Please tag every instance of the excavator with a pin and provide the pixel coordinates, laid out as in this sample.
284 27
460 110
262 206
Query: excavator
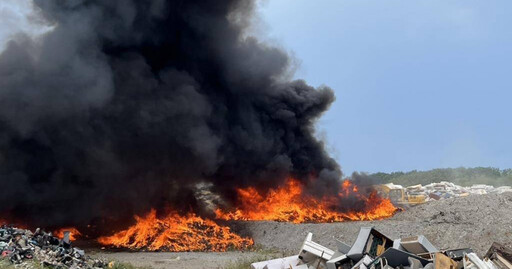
399 195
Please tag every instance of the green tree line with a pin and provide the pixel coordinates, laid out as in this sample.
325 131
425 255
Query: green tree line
460 176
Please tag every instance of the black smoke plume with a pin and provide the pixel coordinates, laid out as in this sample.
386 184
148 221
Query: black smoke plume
126 105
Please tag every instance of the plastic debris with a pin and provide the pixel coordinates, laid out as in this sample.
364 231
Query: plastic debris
20 245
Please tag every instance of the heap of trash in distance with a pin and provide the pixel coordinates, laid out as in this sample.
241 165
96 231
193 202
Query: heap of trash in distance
20 246
373 250
418 194
446 189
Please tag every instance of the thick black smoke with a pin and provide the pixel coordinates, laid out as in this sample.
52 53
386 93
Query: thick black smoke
127 104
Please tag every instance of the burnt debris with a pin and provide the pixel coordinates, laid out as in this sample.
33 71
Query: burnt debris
19 246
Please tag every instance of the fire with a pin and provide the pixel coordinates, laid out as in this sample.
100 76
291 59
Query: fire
13 223
291 204
176 233
73 233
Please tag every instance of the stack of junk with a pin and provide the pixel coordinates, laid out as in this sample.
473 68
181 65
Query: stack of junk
373 250
444 189
21 246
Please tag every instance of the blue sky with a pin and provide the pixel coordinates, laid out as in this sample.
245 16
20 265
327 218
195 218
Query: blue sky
420 84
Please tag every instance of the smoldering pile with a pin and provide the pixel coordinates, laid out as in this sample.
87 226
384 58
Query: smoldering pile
20 245
127 105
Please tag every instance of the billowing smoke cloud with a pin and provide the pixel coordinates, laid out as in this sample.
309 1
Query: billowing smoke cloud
126 105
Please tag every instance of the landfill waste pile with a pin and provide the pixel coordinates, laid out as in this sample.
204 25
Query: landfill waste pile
444 189
374 250
418 194
19 246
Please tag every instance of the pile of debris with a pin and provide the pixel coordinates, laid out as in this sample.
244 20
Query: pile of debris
373 250
20 245
444 189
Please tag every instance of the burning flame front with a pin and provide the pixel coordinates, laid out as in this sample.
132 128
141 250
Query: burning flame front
176 233
289 203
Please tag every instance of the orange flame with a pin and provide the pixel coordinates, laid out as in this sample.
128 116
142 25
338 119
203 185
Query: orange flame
176 233
13 223
289 203
73 233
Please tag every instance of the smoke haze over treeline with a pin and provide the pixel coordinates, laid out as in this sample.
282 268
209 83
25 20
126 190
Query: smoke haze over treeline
460 176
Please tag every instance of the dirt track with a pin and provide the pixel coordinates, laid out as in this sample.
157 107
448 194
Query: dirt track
474 221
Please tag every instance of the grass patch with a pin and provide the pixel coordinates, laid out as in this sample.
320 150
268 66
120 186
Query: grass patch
33 264
5 264
245 263
260 249
121 265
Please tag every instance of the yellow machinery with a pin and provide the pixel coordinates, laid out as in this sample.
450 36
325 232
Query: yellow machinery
399 195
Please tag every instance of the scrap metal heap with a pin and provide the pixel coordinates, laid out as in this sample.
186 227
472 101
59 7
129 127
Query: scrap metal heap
20 246
373 250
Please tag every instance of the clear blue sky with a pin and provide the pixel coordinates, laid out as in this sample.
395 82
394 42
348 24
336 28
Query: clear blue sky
420 84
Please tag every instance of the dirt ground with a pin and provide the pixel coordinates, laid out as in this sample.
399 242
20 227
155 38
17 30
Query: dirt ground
473 221
192 260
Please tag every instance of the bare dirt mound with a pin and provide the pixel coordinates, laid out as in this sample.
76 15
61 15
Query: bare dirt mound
474 221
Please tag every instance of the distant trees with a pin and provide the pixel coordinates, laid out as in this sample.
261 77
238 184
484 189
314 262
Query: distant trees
460 176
